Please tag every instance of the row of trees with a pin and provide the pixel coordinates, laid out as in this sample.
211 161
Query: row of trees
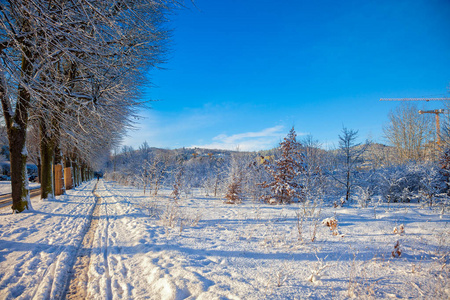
69 72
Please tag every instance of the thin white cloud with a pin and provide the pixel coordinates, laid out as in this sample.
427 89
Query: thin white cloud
176 129
248 141
198 127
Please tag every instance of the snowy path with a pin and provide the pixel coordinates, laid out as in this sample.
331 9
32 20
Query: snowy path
37 248
76 285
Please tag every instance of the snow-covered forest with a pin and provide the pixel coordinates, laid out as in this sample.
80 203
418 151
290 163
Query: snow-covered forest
363 219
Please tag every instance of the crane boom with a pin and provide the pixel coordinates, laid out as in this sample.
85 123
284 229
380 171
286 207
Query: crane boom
414 99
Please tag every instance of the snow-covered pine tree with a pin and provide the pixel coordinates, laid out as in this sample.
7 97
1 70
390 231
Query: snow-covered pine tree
284 186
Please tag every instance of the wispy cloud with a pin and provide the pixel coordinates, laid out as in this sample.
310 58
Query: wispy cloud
167 130
248 141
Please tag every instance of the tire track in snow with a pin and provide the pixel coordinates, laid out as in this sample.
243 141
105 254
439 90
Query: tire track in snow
51 272
76 285
105 251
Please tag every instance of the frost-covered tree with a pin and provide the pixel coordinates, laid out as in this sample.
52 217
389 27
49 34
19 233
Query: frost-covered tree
159 169
350 156
178 182
409 132
283 185
393 184
214 173
431 182
444 163
254 174
234 192
313 178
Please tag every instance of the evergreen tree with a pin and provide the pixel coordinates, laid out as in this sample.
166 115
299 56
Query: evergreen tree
284 185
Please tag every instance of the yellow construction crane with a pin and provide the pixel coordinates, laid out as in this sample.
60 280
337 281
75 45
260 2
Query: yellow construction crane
437 112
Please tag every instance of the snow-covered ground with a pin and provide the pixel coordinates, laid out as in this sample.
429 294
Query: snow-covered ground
5 186
200 248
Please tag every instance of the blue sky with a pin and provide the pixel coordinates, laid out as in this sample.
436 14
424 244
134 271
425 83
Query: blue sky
242 73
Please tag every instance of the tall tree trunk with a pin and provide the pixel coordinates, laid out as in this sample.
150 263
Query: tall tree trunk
18 159
75 171
16 124
83 173
39 169
47 152
347 186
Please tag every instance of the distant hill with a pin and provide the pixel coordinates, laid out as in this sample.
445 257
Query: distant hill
376 155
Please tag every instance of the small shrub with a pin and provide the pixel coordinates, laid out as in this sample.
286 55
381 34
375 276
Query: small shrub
400 230
364 196
397 250
333 224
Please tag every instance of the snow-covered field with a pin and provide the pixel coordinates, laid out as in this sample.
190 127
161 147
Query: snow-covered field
200 248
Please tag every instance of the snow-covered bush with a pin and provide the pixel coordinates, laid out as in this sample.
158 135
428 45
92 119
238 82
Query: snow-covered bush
431 182
444 164
317 271
400 183
363 195
412 181
332 223
390 182
172 216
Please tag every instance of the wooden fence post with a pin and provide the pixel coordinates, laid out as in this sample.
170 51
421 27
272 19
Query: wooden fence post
59 181
68 178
